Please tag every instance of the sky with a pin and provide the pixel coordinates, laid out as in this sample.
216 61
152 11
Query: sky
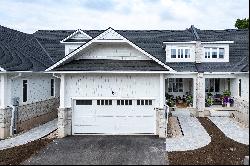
31 15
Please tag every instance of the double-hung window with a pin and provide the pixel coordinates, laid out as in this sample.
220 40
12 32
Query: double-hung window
214 53
180 53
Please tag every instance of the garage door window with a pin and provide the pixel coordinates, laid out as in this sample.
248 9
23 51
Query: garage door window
124 102
104 102
83 102
144 102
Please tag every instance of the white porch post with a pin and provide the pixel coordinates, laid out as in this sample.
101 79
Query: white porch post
194 92
3 90
162 91
200 94
62 91
5 111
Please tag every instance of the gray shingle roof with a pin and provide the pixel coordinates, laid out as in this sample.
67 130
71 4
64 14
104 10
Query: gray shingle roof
152 42
38 51
110 65
21 52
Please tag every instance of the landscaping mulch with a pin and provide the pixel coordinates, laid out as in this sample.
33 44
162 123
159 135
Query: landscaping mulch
221 151
18 154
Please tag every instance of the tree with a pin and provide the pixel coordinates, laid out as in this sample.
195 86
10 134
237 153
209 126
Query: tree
242 23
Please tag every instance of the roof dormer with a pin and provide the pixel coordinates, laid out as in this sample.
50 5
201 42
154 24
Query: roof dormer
77 37
75 40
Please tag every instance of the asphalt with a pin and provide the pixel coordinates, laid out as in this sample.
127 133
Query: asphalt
102 150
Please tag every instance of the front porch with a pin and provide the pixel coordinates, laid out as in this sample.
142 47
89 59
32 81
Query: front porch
207 91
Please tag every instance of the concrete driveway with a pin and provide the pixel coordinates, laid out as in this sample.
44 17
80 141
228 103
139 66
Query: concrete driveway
103 150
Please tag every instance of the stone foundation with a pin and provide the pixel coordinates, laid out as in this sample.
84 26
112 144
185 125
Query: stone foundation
242 113
5 122
64 122
161 128
35 114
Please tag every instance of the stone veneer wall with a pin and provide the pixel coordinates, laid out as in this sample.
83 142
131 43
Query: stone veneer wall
35 114
161 128
242 113
5 122
64 122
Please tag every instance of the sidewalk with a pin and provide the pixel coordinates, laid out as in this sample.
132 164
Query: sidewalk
29 136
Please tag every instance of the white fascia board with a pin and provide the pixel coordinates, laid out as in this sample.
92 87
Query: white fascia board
188 42
72 42
62 41
218 42
112 72
2 69
100 39
226 73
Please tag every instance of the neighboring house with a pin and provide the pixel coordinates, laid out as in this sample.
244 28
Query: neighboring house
117 81
26 93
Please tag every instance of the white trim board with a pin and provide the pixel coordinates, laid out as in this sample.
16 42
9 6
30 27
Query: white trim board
73 34
112 72
103 36
193 42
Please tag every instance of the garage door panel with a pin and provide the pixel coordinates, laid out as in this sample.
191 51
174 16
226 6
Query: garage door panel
125 118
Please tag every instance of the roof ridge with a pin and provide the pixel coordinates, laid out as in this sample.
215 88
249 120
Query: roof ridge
44 50
196 36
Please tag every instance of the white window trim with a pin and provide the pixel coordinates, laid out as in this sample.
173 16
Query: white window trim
211 52
217 46
177 52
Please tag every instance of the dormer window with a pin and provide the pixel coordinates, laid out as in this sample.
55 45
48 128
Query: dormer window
180 53
214 53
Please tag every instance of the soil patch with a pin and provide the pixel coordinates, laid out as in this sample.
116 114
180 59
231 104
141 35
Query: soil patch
18 154
221 151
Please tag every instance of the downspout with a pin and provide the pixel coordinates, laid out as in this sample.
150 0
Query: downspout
15 104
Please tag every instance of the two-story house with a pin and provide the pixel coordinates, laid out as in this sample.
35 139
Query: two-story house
115 81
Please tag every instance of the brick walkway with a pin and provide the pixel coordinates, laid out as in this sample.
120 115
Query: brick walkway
29 136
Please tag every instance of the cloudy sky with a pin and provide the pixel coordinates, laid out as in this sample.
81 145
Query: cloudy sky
31 15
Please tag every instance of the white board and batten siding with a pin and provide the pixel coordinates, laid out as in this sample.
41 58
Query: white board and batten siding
114 118
115 51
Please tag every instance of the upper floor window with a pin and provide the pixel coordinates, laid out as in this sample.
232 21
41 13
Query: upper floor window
214 53
180 53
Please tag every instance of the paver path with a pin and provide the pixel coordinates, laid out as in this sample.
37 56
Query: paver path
31 135
232 129
195 136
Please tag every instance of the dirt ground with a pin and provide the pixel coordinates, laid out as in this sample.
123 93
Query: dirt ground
221 150
16 155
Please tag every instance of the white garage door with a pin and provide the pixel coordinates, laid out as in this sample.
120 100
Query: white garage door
114 117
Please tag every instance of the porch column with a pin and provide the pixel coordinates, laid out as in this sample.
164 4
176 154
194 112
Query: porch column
162 91
200 94
62 91
5 111
64 114
194 92
3 90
